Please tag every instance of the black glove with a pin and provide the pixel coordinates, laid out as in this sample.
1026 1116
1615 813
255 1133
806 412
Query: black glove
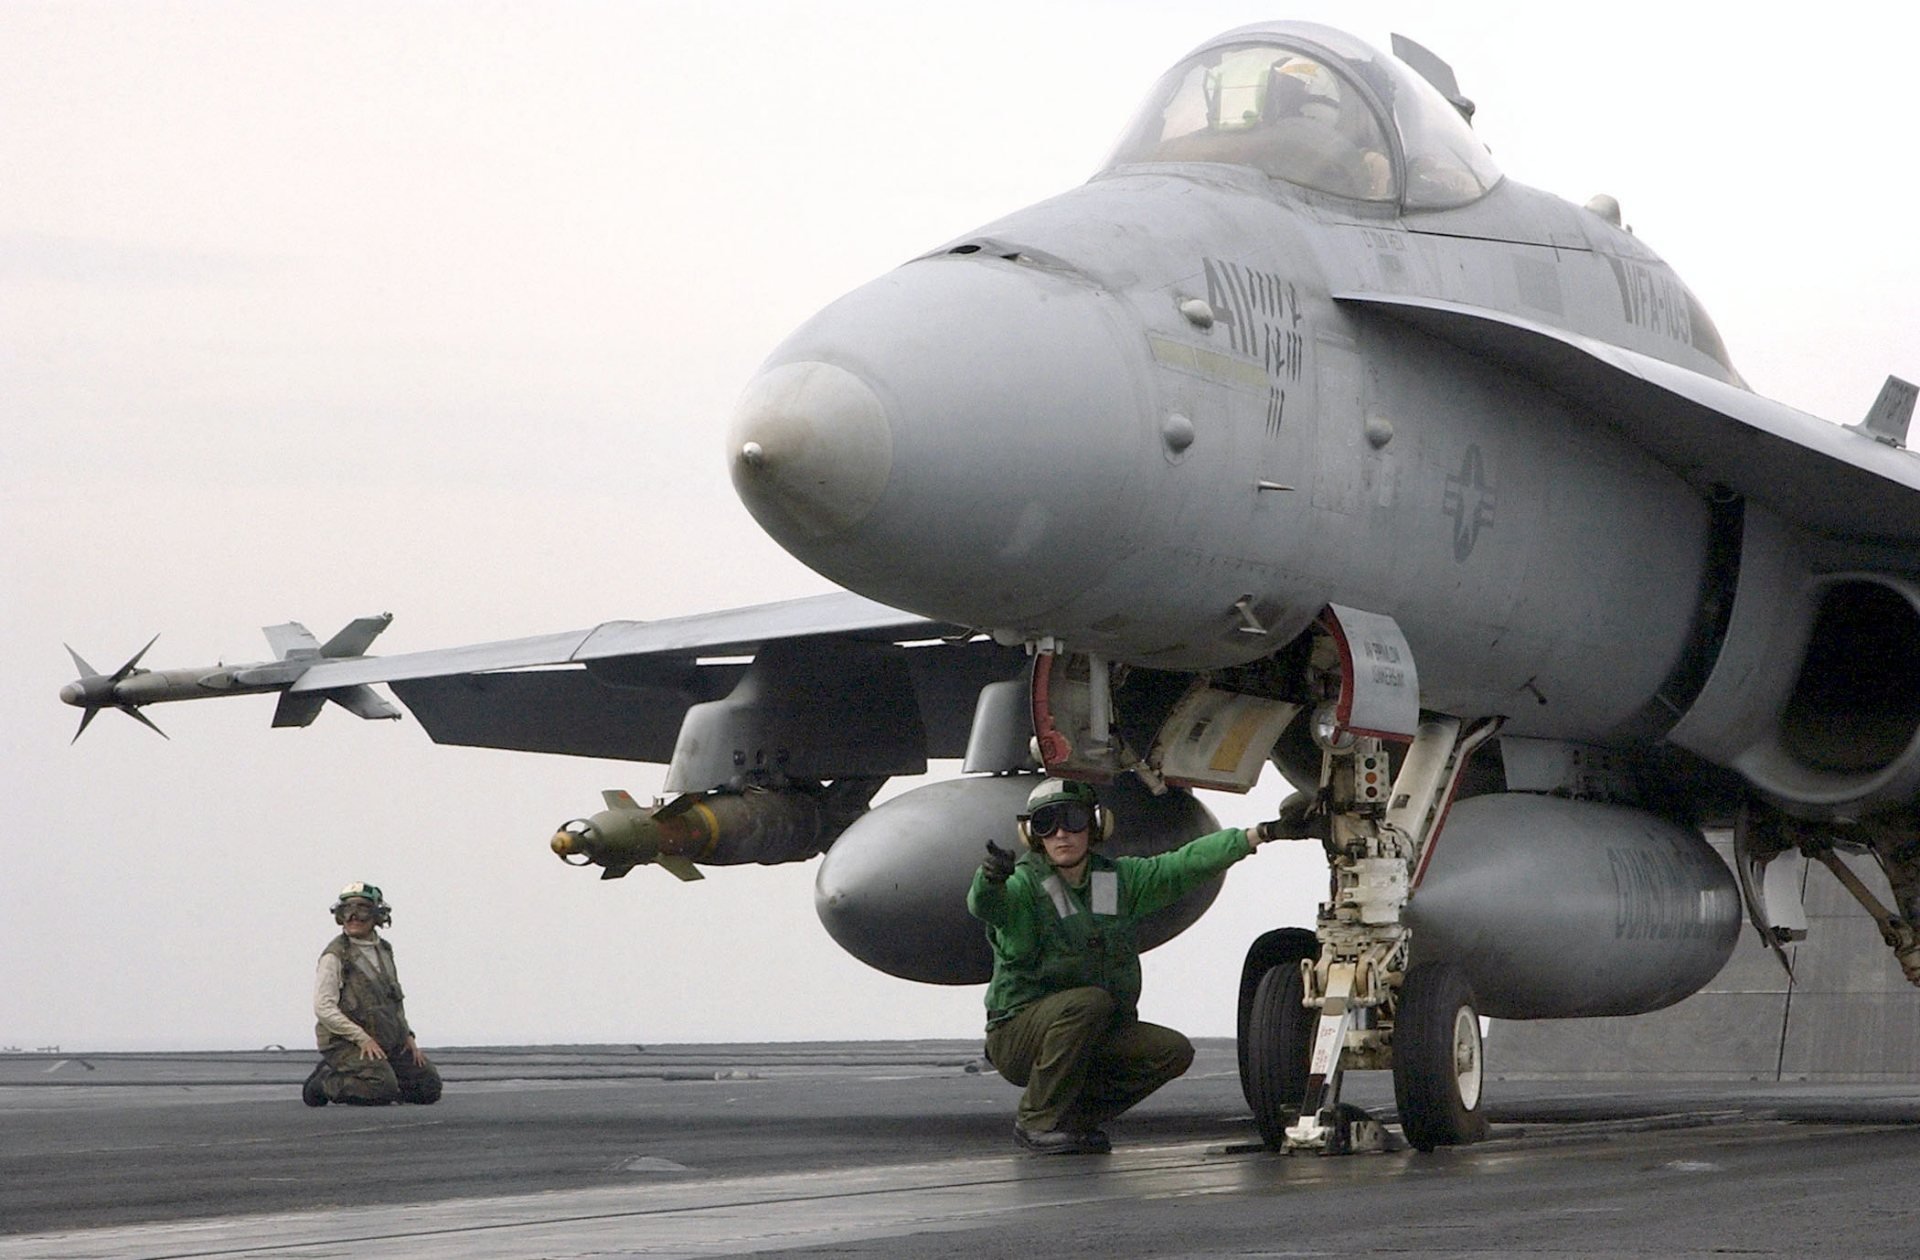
1294 822
998 864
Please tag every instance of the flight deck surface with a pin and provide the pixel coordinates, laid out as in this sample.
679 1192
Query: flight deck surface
903 1149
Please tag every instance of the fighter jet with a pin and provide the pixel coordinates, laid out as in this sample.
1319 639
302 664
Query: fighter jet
1300 435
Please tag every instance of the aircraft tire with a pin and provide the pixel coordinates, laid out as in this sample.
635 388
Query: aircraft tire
1280 947
1438 1060
1279 1041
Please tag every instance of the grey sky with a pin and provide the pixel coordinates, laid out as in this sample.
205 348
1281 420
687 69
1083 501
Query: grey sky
317 311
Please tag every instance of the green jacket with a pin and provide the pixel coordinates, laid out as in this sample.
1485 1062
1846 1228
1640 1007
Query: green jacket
1048 936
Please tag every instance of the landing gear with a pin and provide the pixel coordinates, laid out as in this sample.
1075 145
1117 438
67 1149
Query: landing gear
1369 1008
1892 839
1437 1064
1276 1045
1361 1002
1281 948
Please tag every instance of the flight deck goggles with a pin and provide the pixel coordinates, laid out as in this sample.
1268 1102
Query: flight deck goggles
350 908
1060 816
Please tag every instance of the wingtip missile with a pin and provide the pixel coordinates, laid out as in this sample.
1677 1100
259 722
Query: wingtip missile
296 651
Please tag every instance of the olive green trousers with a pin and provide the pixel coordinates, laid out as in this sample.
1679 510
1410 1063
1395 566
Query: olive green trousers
1081 1064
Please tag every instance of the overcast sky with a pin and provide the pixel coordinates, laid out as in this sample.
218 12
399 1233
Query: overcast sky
317 311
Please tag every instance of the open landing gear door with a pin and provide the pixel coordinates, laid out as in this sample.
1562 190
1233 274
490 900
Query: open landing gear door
1219 739
1771 890
1380 688
1201 735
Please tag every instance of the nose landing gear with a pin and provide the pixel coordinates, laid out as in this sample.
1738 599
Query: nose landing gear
1373 1010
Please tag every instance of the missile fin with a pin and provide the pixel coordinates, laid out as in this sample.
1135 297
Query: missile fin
94 691
86 670
356 636
133 711
290 640
298 708
679 867
677 806
619 798
362 701
127 669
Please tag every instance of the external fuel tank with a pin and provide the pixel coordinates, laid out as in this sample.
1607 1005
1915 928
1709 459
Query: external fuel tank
1559 908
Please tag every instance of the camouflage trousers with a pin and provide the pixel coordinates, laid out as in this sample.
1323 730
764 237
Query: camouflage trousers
370 1082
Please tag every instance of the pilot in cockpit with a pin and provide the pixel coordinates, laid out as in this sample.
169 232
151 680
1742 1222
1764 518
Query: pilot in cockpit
1332 129
1285 114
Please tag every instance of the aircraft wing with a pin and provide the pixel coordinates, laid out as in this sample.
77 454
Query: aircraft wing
622 689
1829 479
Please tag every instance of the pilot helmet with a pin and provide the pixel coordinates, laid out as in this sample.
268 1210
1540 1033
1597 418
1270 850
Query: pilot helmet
369 893
1320 98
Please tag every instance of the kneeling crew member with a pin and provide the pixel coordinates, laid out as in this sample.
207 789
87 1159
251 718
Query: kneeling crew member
368 1055
1062 1016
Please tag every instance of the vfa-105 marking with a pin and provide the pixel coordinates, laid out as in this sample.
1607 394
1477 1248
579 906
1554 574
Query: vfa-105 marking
1299 434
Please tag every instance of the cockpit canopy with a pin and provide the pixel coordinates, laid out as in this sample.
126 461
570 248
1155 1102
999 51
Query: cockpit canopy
1314 107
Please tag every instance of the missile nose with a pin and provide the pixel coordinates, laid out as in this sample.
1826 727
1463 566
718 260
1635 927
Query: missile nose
811 449
73 693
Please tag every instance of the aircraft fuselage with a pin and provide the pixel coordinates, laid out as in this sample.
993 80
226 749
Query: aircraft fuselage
1138 418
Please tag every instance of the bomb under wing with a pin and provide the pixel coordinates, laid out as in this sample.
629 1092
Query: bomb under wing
767 827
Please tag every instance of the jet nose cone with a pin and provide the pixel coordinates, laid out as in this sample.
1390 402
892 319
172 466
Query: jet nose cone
957 438
811 450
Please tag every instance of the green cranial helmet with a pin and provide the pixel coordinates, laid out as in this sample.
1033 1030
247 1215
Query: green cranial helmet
1063 803
369 893
1054 791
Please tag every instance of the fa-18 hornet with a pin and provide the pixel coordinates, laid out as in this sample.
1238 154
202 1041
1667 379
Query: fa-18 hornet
1299 435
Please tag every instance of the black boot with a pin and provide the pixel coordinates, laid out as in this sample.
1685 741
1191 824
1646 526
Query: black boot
311 1091
1048 1141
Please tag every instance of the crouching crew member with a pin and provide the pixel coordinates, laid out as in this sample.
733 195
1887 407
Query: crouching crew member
368 1055
1062 1016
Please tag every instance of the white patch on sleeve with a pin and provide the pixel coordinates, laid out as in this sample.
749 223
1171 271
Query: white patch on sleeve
1106 892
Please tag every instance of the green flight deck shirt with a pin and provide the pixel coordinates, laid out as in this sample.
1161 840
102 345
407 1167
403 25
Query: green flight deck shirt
1048 936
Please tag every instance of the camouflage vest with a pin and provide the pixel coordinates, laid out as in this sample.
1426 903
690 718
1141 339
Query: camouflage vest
373 1002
